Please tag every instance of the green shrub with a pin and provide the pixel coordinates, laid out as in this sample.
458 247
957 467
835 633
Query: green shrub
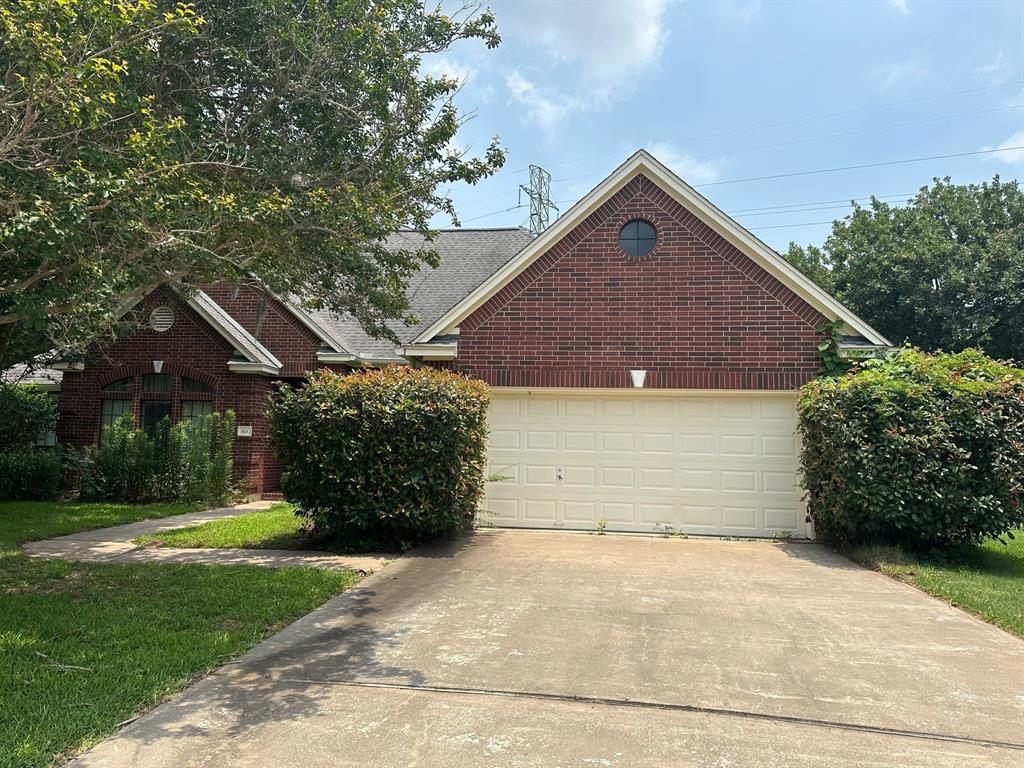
29 473
26 412
916 450
189 461
383 459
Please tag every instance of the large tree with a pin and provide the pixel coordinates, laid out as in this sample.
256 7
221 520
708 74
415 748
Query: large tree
944 271
145 143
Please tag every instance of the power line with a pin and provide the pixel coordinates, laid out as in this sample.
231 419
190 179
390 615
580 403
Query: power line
819 202
827 136
794 121
764 211
785 226
809 139
814 172
861 165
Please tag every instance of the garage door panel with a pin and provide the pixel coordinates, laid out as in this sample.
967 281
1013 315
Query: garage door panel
703 464
580 441
541 440
540 474
580 477
657 443
618 442
696 444
738 445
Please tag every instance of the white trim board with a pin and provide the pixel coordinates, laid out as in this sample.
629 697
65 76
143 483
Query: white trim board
642 162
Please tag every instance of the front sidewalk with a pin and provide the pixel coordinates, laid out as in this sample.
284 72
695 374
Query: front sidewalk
117 545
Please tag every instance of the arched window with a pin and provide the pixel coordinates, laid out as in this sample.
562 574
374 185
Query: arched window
155 396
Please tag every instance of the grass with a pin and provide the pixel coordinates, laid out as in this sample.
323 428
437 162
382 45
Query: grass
986 580
275 528
86 646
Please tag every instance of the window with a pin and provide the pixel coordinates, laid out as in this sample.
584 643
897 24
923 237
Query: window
193 385
158 382
121 385
152 412
156 399
193 410
638 237
111 410
48 438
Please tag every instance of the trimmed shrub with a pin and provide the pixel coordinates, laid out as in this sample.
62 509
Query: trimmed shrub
26 413
29 473
189 461
915 450
383 459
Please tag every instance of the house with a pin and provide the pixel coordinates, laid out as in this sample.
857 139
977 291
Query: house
644 353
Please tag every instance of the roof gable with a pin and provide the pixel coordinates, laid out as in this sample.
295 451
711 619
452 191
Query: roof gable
643 163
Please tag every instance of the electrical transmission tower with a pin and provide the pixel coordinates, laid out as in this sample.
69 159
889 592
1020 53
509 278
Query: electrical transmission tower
539 193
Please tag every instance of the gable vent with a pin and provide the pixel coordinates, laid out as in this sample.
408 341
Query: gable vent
161 319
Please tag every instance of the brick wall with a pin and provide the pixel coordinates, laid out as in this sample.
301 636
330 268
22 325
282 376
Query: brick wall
694 313
272 324
190 348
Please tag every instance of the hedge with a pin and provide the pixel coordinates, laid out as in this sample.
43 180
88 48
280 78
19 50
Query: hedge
916 450
383 459
26 413
29 473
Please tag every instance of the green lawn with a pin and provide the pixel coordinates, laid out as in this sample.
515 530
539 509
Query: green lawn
274 528
987 580
84 647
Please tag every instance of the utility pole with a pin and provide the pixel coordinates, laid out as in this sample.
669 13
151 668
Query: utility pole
539 192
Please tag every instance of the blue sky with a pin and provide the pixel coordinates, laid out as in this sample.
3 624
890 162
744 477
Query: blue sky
577 86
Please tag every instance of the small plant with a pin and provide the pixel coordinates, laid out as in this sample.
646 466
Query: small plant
668 531
783 535
187 461
601 525
832 362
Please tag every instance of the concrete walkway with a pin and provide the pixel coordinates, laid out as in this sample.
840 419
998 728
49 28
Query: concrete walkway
550 650
117 545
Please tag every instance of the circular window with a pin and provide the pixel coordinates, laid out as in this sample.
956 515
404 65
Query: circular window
161 319
638 237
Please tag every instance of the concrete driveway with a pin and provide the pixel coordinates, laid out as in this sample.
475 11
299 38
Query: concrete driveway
554 649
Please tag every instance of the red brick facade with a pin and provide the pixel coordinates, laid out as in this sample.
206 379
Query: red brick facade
195 349
695 313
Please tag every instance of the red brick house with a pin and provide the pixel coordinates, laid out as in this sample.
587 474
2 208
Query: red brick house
643 353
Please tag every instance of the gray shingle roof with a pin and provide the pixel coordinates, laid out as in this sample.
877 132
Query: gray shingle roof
468 257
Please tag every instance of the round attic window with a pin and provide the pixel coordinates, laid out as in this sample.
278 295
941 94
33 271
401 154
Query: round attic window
637 237
161 319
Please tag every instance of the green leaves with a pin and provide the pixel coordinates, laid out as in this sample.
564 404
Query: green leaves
944 271
916 450
386 458
277 142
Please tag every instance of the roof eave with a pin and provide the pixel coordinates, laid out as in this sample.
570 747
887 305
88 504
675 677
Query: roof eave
429 351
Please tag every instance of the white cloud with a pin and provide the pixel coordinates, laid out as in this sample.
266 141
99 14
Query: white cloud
740 11
1012 157
691 169
546 109
901 72
995 70
448 66
901 6
610 39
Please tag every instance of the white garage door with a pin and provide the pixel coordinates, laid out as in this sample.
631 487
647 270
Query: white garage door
718 464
